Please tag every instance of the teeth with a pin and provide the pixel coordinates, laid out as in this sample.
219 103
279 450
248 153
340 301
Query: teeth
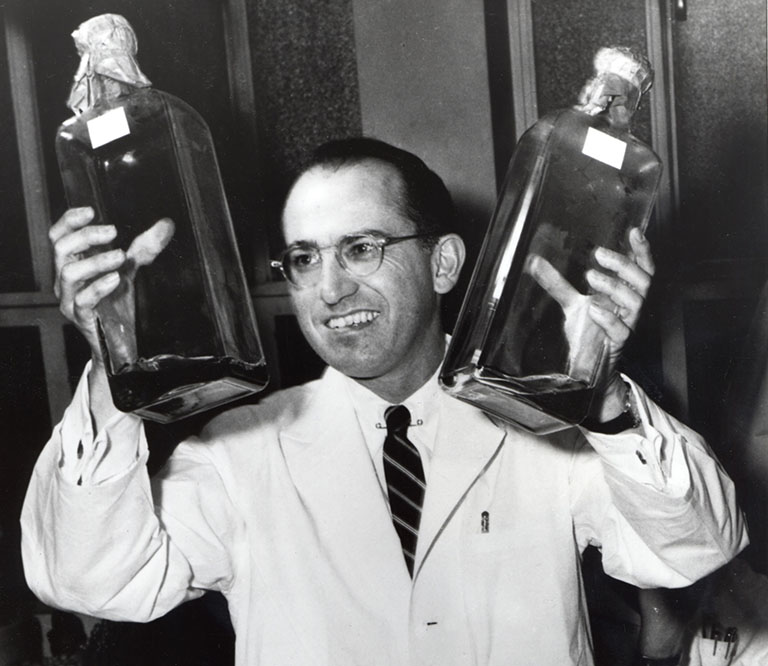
354 319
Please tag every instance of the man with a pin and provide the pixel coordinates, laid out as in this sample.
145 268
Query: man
290 508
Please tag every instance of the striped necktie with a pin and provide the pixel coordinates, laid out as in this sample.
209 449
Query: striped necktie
405 481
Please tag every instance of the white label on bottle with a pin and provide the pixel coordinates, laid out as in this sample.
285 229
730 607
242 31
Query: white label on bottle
108 126
604 147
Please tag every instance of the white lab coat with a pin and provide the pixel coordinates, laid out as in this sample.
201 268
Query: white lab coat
278 506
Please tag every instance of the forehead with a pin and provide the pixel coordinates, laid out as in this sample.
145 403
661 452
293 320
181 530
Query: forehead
325 203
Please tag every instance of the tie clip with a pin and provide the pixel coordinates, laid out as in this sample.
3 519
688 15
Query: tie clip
383 426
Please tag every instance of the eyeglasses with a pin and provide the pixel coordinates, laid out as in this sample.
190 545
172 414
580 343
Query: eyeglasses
358 254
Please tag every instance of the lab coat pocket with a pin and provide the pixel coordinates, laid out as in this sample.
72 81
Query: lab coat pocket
505 562
711 652
517 599
493 546
493 565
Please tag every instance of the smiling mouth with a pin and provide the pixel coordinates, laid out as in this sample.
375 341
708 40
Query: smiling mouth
353 320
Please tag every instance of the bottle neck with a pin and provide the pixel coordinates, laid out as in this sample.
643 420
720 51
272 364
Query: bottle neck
102 89
614 95
100 79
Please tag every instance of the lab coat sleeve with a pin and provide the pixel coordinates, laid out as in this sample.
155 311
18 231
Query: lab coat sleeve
94 541
88 458
656 502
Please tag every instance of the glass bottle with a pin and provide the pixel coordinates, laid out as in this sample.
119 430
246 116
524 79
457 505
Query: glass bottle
179 334
577 179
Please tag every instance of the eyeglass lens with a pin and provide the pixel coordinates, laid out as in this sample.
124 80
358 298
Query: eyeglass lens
361 255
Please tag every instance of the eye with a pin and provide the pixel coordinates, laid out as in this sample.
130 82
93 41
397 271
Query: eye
361 249
302 259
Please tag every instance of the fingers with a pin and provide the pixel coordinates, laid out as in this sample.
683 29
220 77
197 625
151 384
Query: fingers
642 251
624 301
82 242
82 277
86 299
81 292
628 268
629 279
73 236
147 245
551 281
73 219
616 328
87 271
83 282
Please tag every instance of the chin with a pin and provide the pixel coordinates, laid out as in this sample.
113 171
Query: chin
358 359
355 368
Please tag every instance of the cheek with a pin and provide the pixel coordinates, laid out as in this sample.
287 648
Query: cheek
408 277
409 293
302 308
406 268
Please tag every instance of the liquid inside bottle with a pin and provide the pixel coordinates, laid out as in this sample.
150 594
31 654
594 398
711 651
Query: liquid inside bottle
524 347
179 333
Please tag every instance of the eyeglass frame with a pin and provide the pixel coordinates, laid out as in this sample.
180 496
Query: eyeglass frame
381 241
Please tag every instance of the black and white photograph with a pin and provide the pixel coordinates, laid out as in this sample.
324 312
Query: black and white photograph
393 333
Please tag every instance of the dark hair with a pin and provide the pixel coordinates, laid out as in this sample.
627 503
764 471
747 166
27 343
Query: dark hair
425 199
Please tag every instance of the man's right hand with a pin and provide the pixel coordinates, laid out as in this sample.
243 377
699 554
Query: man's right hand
86 271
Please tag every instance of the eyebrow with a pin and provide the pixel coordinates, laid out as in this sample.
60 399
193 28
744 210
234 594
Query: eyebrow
362 232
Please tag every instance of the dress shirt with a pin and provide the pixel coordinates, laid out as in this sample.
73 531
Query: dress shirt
425 415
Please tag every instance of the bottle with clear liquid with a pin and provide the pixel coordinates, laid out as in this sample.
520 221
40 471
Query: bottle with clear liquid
179 334
578 179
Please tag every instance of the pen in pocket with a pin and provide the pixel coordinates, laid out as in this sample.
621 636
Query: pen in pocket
485 526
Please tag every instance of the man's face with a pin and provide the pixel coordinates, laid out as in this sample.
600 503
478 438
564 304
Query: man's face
381 326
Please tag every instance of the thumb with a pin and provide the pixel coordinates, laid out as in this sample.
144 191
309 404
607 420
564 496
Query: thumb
147 245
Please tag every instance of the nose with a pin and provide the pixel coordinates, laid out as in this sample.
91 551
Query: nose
335 282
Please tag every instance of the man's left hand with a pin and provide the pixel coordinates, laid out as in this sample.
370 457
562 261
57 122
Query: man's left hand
621 292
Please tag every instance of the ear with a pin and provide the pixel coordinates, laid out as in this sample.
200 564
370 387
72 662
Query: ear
447 259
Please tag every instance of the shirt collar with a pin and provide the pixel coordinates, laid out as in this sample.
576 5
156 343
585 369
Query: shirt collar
422 404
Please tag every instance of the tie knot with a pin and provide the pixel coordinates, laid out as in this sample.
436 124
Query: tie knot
398 419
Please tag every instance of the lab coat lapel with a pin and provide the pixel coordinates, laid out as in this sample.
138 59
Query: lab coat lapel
332 471
466 444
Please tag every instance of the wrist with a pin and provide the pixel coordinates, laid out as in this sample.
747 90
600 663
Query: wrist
99 395
613 400
616 413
